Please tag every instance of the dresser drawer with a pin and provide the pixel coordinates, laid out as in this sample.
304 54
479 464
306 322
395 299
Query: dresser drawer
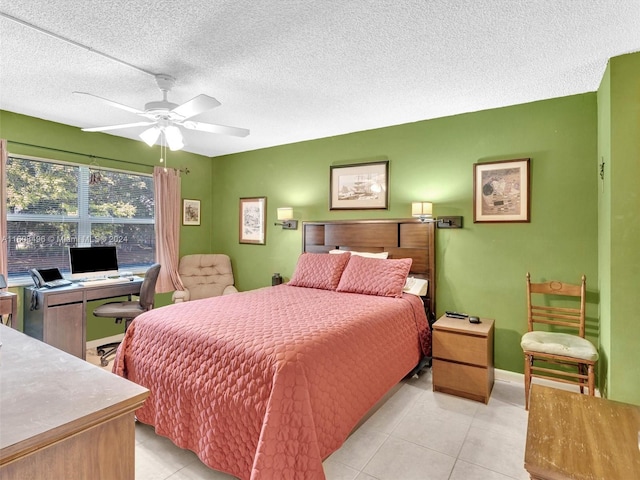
466 381
460 347
64 297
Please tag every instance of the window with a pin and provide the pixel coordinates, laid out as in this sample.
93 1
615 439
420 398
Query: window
52 206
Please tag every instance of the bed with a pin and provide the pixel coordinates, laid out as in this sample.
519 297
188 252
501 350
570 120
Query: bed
266 384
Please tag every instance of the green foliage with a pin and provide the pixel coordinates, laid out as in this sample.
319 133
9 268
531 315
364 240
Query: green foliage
35 187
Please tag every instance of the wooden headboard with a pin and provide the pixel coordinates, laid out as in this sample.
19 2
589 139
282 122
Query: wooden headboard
403 238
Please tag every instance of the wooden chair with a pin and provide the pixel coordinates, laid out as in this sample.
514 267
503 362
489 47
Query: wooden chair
559 352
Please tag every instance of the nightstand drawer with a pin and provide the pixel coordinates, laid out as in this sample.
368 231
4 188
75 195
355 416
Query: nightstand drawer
461 348
466 381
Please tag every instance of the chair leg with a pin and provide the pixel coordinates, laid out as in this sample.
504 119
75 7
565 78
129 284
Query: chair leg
592 381
581 371
527 379
106 351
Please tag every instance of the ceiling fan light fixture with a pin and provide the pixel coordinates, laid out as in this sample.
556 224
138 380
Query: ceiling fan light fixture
150 136
165 117
173 135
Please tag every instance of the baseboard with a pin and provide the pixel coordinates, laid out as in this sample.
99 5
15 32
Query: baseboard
508 376
103 341
514 377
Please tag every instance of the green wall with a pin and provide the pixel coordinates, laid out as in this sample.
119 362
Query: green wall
579 223
481 268
604 229
619 230
130 155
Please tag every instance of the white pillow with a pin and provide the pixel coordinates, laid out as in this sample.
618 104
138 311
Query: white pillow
363 254
416 286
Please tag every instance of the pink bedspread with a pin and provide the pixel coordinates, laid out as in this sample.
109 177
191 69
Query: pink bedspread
266 384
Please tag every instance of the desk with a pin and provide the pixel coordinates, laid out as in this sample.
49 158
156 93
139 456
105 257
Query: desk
62 417
580 437
8 305
60 316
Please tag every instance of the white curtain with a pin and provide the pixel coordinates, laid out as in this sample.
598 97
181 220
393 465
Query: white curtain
4 262
167 200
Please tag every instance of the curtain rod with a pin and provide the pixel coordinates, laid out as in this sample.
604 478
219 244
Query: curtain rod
183 170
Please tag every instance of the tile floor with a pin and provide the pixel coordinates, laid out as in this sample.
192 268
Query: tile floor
416 434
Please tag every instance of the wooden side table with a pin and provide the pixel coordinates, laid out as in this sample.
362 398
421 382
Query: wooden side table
571 436
463 358
8 305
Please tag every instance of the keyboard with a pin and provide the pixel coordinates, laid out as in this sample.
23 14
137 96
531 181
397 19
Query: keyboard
61 282
102 281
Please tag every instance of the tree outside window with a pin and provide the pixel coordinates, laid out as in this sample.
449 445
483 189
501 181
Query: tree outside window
52 206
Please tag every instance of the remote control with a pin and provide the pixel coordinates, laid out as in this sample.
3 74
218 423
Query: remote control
455 314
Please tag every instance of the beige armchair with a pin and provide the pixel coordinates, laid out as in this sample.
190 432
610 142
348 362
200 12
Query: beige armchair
203 276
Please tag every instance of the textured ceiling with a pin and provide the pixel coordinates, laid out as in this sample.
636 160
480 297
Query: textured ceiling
294 70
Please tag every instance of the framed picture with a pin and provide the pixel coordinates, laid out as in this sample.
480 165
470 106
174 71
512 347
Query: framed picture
359 186
190 212
253 213
501 191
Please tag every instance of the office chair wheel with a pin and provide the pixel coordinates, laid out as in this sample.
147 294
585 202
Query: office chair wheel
100 351
104 362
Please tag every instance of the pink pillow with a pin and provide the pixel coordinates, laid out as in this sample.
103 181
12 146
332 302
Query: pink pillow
319 270
375 276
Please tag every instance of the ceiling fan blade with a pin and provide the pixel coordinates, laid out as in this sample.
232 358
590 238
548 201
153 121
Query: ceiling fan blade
211 128
115 127
196 106
112 103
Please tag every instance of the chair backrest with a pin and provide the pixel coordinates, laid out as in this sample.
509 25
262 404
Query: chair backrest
148 287
539 312
205 275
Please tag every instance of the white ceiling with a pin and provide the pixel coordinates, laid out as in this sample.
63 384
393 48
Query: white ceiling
294 70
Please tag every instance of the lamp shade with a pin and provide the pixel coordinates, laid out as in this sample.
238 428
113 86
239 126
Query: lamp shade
150 136
421 209
173 135
285 213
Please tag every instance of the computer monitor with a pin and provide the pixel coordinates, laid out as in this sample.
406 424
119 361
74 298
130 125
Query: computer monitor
93 262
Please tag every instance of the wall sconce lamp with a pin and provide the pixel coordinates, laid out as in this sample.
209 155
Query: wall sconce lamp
285 215
424 211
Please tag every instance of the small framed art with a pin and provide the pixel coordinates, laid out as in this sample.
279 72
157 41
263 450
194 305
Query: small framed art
190 212
501 191
362 186
252 220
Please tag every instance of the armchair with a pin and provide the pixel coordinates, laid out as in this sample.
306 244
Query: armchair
203 276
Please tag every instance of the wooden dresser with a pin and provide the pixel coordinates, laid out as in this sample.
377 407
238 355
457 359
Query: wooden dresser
9 307
463 358
62 417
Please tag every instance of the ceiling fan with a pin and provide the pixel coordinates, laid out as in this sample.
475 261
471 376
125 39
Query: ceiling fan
164 118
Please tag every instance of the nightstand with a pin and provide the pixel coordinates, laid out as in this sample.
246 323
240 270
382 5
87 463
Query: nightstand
463 358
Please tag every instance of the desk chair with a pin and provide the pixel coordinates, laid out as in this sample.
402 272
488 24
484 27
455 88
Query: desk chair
128 310
563 356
